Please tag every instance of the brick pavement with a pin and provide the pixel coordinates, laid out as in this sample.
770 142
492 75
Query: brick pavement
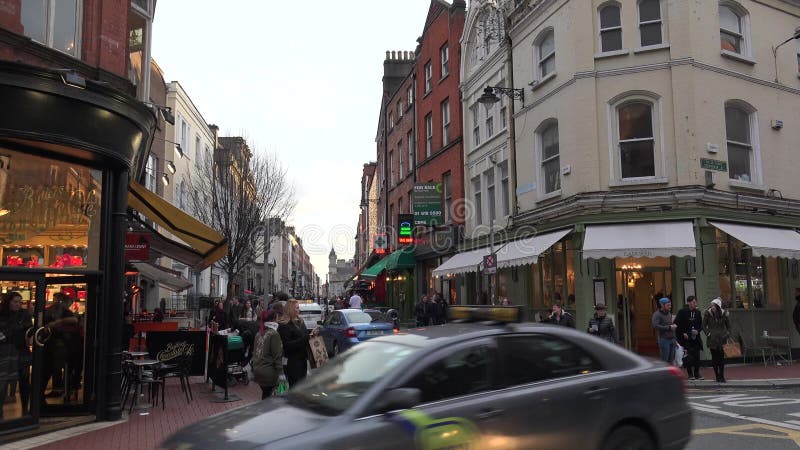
145 429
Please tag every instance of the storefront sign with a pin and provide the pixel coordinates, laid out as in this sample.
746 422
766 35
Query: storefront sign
405 229
713 164
427 203
380 244
137 247
168 345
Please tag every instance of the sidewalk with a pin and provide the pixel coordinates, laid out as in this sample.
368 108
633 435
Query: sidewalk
751 376
145 429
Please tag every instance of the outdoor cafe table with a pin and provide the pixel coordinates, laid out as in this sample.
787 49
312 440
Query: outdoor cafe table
140 365
778 345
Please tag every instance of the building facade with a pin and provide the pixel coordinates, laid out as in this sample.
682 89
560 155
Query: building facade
650 156
340 272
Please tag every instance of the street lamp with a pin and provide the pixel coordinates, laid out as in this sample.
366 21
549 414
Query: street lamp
171 167
795 36
490 97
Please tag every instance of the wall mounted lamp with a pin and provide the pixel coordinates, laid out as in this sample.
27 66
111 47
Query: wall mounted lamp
165 179
490 97
171 167
72 78
164 111
796 35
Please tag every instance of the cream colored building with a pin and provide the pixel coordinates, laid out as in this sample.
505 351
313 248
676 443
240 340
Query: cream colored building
658 137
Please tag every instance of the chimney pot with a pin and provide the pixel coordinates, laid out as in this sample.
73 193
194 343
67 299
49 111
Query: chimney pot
387 54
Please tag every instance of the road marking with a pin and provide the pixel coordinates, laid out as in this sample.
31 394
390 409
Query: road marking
749 430
746 401
734 415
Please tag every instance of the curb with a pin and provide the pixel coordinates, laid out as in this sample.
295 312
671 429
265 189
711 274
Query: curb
778 383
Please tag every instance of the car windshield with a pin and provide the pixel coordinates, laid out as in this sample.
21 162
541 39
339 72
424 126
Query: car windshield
334 387
358 317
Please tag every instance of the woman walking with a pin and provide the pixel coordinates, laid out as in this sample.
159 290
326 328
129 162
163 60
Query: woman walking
717 328
294 336
268 355
14 352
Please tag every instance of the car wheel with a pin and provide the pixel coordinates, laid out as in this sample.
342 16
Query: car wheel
629 437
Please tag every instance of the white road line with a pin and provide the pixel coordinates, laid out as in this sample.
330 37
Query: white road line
714 410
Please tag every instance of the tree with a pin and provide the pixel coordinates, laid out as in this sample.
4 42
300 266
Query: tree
234 193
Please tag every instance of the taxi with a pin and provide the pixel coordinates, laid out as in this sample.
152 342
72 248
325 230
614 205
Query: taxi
485 382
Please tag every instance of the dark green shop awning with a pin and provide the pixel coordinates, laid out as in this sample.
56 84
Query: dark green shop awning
375 270
400 260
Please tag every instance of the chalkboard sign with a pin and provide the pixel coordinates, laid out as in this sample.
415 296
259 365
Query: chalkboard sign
167 345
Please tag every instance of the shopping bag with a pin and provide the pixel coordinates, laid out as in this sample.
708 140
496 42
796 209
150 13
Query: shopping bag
732 349
680 352
317 354
283 386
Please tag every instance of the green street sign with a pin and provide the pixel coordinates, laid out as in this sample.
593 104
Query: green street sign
713 164
427 203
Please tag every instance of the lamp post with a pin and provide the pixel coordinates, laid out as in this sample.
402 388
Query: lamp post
795 36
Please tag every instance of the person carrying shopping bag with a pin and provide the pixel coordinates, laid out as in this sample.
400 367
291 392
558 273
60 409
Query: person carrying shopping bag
717 328
268 355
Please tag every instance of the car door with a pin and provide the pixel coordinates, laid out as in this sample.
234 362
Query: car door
555 393
457 404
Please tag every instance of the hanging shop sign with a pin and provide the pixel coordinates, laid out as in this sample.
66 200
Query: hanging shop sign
427 201
137 247
405 229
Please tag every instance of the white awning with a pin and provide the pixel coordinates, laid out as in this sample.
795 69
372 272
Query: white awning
639 240
765 241
159 274
527 251
463 262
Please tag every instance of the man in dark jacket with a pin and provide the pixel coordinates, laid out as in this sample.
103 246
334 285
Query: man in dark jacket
690 322
601 325
422 311
561 317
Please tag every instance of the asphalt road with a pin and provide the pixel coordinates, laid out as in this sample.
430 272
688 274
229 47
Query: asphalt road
746 419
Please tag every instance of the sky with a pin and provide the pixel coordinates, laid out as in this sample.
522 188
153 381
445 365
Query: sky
300 80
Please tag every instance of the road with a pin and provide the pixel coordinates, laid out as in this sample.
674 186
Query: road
746 419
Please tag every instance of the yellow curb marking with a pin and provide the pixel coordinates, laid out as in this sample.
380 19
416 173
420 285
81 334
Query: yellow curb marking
742 430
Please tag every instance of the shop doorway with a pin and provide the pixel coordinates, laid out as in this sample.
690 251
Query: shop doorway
638 291
47 354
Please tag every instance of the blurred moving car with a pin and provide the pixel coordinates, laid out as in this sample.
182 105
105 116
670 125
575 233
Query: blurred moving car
468 385
311 313
344 328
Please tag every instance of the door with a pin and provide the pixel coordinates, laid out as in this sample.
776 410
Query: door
638 292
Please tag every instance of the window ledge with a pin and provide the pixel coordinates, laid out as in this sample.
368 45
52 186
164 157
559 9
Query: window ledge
638 181
550 195
611 54
749 185
651 48
737 57
536 84
443 78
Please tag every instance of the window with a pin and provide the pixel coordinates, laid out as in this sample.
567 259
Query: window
391 168
445 122
428 76
56 24
391 120
739 132
209 156
410 95
462 372
485 37
504 188
476 126
428 134
490 193
650 22
400 205
545 55
610 28
410 140
400 170
399 109
447 193
478 208
444 55
489 121
551 165
528 359
150 173
732 29
636 140
746 281
198 152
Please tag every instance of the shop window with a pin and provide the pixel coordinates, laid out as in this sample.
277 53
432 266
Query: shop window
746 281
56 24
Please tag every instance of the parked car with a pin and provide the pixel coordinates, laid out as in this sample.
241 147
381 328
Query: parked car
344 328
467 385
311 313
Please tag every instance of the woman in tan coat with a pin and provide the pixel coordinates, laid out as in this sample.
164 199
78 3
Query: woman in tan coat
268 355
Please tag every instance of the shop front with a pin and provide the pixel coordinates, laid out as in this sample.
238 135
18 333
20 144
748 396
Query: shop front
66 157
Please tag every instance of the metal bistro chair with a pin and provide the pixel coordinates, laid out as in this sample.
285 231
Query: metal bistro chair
753 348
180 368
136 379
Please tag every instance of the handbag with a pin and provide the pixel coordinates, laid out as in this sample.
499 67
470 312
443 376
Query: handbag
680 352
732 349
318 354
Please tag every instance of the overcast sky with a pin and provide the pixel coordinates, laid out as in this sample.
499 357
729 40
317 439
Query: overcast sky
301 80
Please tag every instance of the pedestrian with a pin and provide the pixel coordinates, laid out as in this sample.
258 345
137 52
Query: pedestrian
15 356
601 325
355 301
248 313
796 314
690 323
294 336
560 317
220 317
664 326
421 311
440 309
268 355
235 309
717 327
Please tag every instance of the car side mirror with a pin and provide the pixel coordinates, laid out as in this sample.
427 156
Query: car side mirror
399 398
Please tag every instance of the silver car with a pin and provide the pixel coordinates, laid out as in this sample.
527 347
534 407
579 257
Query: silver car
467 385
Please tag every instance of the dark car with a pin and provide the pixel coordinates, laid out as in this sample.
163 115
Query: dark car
467 385
345 328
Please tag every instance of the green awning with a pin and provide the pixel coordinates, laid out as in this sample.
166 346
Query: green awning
400 260
376 269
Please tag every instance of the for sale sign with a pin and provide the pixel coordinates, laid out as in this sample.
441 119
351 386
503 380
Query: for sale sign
427 203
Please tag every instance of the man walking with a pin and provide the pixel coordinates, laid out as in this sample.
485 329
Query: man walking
689 323
561 317
664 326
355 301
